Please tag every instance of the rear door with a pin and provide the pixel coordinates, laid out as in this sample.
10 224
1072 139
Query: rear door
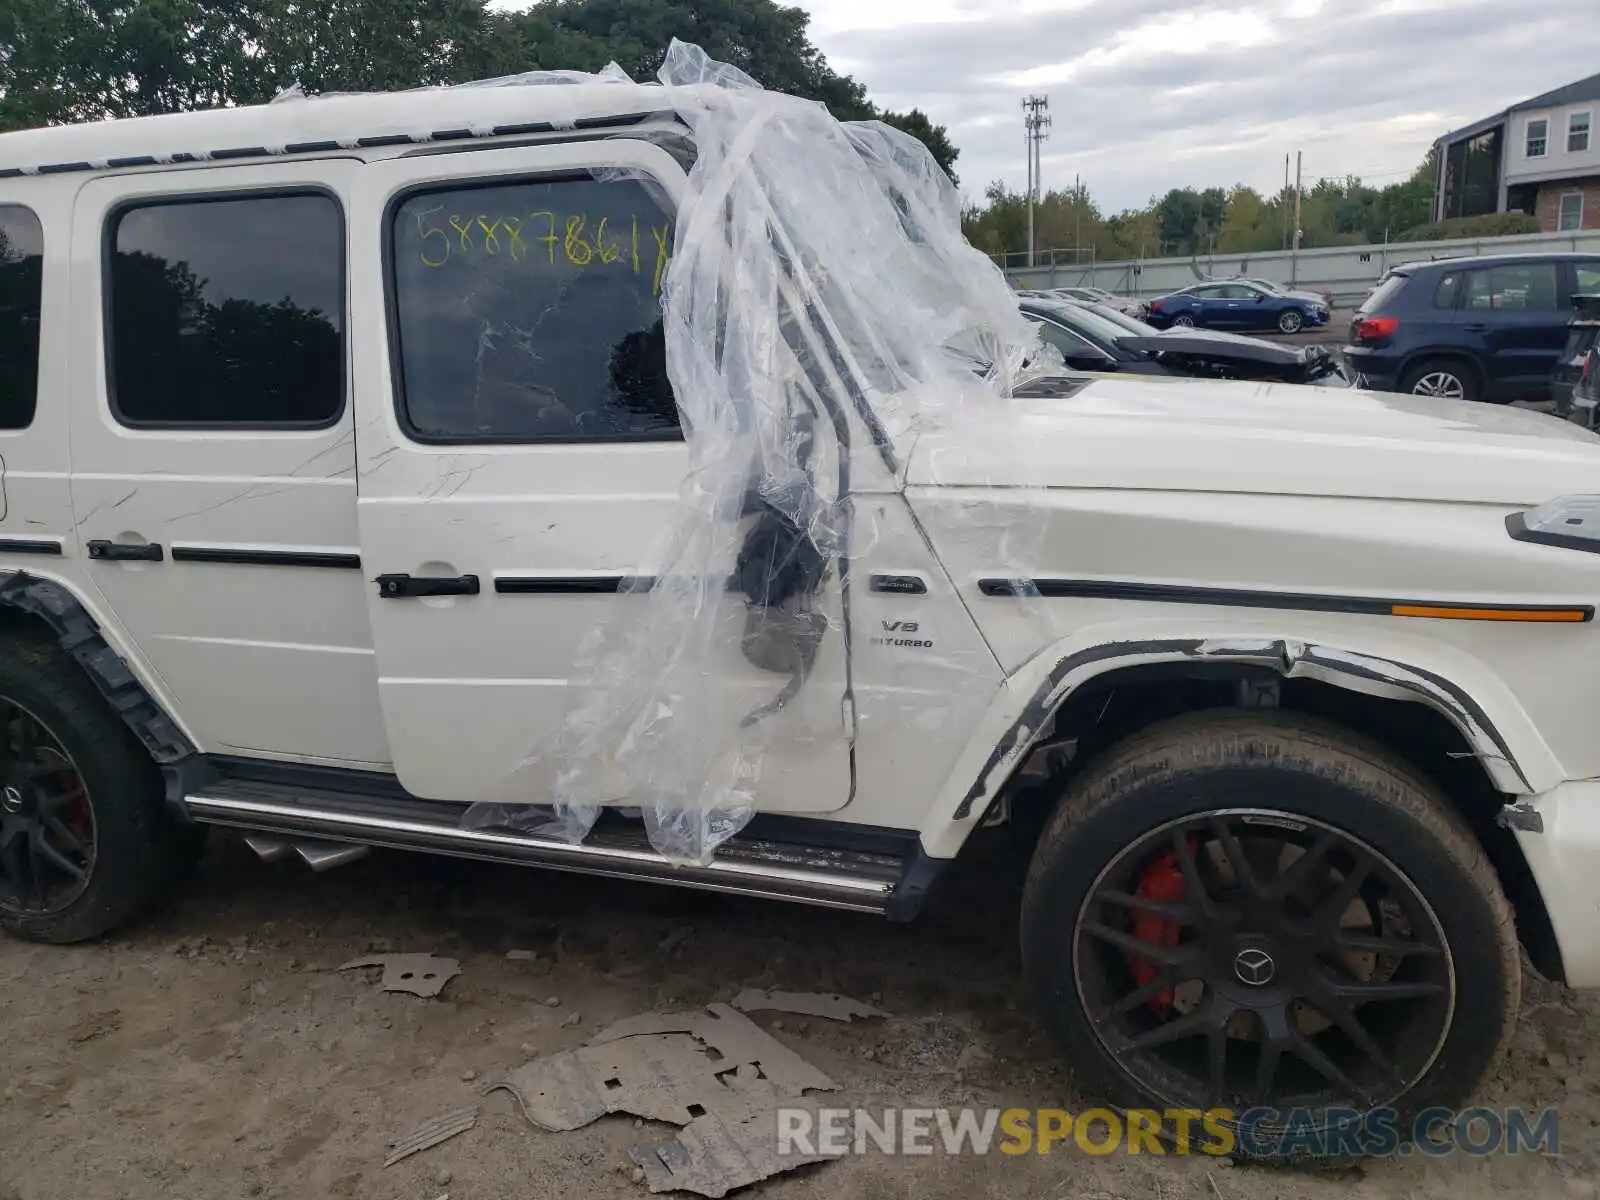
1519 311
520 459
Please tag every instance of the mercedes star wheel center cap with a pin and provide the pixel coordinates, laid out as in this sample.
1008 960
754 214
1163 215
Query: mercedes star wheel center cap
12 800
1254 967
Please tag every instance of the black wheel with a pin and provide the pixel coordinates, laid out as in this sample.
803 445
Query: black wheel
1290 321
85 842
1183 321
1261 912
1443 378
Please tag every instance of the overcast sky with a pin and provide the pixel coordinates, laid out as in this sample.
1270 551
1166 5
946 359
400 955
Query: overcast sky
1151 95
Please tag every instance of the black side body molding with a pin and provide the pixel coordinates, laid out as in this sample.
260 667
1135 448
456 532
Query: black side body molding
1173 593
46 546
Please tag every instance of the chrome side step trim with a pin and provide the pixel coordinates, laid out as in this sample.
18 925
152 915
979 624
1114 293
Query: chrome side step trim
299 817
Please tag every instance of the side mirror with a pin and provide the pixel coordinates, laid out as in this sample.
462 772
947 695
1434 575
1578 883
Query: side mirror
1260 297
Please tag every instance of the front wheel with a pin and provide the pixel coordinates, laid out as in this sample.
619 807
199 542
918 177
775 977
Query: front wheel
1264 914
1290 321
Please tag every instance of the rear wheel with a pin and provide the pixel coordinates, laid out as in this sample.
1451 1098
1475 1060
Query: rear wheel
85 840
1183 321
1443 378
1264 914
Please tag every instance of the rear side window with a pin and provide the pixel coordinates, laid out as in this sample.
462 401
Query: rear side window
21 284
1513 287
228 312
1064 340
530 312
1447 290
1385 293
1588 278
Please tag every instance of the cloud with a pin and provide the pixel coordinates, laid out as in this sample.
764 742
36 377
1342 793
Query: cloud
1146 95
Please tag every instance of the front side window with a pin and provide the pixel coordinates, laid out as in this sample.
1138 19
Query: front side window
228 312
1571 212
1519 287
1588 279
1538 138
21 288
530 312
1578 133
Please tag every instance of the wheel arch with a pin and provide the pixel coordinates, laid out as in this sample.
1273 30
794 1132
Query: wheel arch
1420 715
52 607
1443 354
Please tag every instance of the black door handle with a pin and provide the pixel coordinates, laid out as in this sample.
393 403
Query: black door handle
400 587
122 552
1475 328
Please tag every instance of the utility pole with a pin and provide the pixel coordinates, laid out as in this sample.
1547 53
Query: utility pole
1036 121
1299 163
1285 201
1077 216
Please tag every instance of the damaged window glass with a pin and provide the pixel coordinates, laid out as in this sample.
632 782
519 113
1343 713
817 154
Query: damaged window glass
530 311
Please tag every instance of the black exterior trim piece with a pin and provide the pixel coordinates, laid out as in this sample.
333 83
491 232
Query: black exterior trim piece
1517 527
449 135
64 168
571 585
12 173
267 558
898 585
524 127
137 160
386 139
47 546
80 637
1171 593
915 886
1025 729
310 147
239 152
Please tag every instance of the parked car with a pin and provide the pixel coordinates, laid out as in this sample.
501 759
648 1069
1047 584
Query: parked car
324 459
1282 289
1235 305
1087 295
1486 328
1100 338
1577 377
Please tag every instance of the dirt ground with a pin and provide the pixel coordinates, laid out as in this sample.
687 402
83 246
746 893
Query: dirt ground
214 1051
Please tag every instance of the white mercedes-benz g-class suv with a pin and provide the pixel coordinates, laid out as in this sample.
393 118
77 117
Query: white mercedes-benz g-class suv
331 429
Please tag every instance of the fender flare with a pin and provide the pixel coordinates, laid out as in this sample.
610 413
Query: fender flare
961 809
80 637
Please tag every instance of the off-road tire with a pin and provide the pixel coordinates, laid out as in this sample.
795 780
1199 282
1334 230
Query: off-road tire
1298 765
141 851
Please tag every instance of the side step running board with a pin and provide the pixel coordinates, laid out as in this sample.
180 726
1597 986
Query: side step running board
853 880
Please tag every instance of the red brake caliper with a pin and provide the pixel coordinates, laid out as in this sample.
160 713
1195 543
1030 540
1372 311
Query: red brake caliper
1162 881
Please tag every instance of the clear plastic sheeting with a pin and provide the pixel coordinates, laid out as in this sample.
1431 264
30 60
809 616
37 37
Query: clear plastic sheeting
820 308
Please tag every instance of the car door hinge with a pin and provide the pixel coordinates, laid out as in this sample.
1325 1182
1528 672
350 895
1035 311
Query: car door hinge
1520 816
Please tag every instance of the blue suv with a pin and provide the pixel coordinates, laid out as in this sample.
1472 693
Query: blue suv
1489 328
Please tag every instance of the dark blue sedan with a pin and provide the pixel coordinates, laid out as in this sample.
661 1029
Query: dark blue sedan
1236 305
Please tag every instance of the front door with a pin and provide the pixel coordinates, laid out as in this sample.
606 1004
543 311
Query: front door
520 459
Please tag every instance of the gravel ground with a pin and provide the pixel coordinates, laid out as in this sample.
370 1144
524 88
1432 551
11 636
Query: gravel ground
215 1051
